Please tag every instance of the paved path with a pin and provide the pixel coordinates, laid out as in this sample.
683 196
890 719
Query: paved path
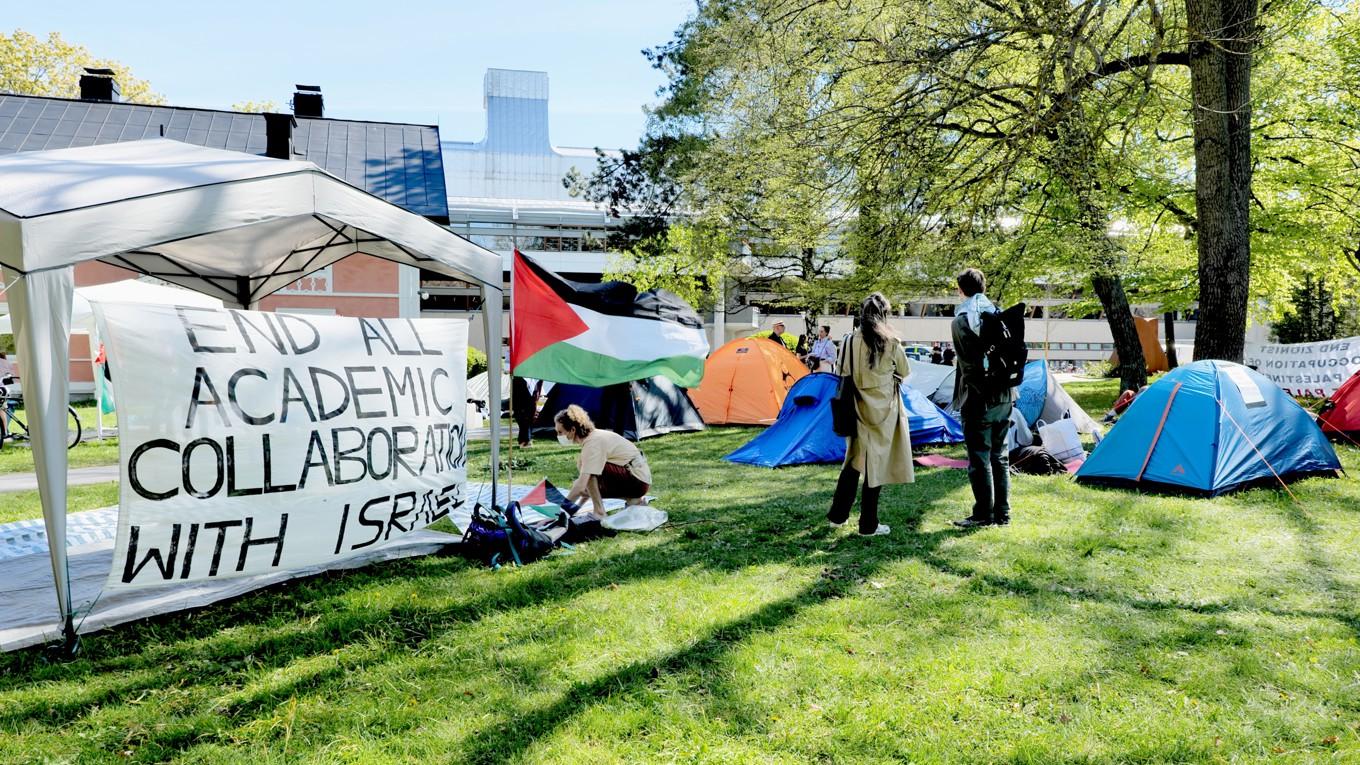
74 477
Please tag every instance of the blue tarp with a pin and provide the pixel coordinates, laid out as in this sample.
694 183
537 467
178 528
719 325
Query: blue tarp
1033 391
802 434
1225 427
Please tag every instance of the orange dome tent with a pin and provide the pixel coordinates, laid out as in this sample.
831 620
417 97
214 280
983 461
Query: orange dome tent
745 382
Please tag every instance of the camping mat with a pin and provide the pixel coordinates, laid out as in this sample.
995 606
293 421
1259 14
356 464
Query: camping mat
940 461
30 617
29 537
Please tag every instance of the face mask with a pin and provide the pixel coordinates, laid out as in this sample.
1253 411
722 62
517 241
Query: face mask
563 440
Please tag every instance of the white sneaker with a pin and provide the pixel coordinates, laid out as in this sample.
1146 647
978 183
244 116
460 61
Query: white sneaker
882 531
835 525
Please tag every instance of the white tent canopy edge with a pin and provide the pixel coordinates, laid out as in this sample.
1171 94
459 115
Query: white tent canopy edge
231 225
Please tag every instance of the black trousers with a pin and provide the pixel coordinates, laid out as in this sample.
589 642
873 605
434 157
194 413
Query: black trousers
845 497
526 427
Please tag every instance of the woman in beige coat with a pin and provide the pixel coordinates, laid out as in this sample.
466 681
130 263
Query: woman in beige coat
881 449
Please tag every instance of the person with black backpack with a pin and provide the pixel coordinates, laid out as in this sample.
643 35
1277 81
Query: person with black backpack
989 363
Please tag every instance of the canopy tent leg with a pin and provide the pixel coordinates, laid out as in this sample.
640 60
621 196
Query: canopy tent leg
492 307
40 304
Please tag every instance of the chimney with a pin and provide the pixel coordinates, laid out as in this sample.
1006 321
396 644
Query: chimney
99 85
307 101
278 135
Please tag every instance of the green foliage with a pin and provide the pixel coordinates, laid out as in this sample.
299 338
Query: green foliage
689 259
52 67
1313 314
255 107
476 361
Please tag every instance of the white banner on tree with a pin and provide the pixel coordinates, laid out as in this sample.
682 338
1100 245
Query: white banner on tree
254 442
1306 369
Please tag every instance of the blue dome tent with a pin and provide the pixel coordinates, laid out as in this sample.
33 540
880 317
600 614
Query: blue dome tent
803 435
1209 428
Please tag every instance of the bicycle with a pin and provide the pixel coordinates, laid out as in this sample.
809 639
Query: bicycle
12 428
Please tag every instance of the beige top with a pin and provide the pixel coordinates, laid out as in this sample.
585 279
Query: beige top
881 451
603 446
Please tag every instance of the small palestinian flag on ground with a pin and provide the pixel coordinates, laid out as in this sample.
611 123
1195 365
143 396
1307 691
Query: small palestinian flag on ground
600 334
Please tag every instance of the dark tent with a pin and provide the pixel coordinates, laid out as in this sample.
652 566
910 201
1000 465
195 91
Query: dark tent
634 410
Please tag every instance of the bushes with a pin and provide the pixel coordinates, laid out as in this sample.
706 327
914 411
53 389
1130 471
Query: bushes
476 361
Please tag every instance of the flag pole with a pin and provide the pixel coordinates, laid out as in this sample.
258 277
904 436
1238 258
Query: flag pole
510 355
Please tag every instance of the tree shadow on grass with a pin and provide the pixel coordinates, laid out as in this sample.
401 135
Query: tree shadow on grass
198 649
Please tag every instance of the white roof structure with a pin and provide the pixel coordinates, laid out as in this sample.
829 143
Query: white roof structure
234 226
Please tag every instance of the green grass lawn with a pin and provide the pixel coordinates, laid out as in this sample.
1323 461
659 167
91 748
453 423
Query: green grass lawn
1101 626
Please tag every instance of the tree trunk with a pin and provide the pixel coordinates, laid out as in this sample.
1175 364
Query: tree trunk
1132 365
1221 41
1170 318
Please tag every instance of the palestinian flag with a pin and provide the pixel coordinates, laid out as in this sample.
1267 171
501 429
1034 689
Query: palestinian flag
600 334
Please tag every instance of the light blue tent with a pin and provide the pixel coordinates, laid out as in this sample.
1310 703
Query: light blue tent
1208 428
803 435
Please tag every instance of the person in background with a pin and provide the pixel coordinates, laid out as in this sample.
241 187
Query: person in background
523 408
7 373
801 348
986 413
609 465
947 358
880 451
936 357
822 357
777 334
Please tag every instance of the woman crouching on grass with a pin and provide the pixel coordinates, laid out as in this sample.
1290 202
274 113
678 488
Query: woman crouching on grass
611 467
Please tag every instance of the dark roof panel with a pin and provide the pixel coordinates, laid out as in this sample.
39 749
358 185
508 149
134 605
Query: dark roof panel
398 162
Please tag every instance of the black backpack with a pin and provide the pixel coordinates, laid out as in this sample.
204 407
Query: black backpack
495 538
1003 347
1036 460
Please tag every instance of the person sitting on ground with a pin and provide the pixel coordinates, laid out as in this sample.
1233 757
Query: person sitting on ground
1121 404
610 466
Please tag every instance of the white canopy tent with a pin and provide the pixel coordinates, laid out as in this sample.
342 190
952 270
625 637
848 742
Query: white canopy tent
230 225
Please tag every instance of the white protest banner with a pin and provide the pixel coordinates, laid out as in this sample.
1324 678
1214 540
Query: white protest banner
254 442
1306 369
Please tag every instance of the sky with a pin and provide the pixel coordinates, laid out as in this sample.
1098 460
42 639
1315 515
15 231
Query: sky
404 60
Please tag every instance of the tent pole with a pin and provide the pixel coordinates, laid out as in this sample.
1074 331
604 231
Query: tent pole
491 308
98 390
40 303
